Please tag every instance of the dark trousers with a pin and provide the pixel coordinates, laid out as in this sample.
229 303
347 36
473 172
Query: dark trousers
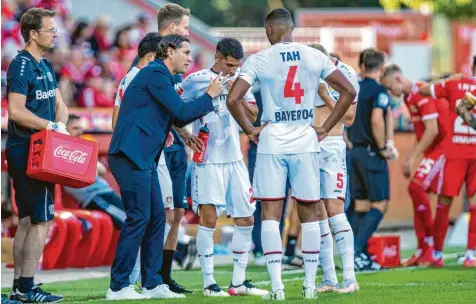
144 226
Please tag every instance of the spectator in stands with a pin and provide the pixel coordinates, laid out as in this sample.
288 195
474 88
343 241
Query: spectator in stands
100 39
98 196
122 44
139 29
92 95
81 34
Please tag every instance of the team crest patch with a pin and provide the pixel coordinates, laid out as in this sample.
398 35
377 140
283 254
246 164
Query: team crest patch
383 100
168 200
50 77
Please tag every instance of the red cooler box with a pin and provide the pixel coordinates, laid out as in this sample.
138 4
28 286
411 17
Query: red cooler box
386 249
62 159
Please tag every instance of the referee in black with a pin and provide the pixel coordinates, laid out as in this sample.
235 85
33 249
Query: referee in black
369 174
34 104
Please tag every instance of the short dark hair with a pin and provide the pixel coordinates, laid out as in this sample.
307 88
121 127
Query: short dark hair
173 41
335 56
170 13
373 60
319 47
230 47
279 16
72 117
32 20
362 55
391 69
150 43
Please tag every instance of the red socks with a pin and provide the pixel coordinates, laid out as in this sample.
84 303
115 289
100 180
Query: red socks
440 226
472 228
422 217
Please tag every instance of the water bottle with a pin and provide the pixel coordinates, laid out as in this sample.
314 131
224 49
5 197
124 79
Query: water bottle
203 135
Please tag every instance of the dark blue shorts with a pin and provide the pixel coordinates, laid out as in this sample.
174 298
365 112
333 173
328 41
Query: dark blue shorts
34 198
177 165
369 178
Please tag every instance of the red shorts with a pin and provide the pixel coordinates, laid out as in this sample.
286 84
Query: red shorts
457 172
430 172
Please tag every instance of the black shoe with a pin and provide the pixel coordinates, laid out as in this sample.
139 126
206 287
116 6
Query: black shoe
177 288
6 300
38 295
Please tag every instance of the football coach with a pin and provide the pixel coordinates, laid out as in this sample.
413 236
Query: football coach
149 108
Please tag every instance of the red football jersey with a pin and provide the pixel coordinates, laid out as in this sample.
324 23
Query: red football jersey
424 108
461 136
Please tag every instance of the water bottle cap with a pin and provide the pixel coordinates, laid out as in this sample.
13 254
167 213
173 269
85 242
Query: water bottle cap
204 129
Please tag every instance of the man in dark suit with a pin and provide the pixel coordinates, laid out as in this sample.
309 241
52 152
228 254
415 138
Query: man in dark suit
149 108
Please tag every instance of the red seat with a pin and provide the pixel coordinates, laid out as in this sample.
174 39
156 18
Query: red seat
107 227
74 236
111 251
54 245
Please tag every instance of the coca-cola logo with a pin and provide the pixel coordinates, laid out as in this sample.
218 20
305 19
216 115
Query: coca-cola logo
390 251
75 156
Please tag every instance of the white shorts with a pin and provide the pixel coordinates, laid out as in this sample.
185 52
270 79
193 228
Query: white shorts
332 167
272 171
226 186
166 186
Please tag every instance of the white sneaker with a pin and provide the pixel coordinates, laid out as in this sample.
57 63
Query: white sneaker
348 286
309 293
162 292
214 291
277 295
126 293
246 289
327 286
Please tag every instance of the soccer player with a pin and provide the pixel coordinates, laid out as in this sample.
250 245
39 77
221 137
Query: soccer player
332 165
460 166
430 121
34 104
288 148
220 183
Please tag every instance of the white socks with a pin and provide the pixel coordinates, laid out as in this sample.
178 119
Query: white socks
205 252
182 236
166 231
240 245
345 243
273 250
326 257
310 251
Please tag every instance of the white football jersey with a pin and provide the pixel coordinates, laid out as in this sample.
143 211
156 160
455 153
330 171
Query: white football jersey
124 84
348 72
288 74
224 141
120 93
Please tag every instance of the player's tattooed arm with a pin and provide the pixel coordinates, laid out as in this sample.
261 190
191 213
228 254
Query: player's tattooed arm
465 111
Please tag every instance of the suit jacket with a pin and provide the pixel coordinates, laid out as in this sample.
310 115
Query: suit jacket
148 109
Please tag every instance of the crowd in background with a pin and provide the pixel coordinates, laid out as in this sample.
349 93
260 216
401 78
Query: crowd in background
90 58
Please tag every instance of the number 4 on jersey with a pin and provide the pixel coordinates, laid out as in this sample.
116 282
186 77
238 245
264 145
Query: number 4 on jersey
297 93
